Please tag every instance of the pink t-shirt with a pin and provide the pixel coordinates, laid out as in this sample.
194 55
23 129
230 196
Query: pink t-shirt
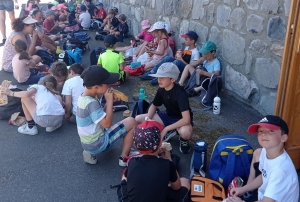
146 36
157 58
20 68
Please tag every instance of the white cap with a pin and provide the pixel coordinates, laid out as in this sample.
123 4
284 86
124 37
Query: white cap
168 27
29 20
167 69
157 25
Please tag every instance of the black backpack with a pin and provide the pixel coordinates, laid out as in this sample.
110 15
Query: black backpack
94 55
47 59
192 82
14 105
210 89
76 43
140 107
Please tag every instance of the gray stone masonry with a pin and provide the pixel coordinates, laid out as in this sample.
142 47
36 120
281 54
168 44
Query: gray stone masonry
249 35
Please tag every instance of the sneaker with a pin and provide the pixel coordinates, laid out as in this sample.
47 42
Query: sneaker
3 42
154 82
86 29
51 129
122 162
169 135
146 76
89 158
73 119
28 131
184 146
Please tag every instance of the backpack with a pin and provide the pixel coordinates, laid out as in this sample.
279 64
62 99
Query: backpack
82 36
231 157
76 55
47 59
14 105
199 158
140 107
72 28
94 55
206 190
117 105
96 24
74 42
194 81
210 89
68 59
100 35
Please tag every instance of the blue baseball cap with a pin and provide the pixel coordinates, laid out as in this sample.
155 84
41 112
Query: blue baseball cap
191 34
99 4
83 7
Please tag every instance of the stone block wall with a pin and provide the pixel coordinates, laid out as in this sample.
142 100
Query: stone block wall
249 35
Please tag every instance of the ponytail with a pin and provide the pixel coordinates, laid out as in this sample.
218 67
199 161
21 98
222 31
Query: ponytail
21 47
24 55
50 83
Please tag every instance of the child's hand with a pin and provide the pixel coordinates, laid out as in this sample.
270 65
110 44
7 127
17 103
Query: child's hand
237 191
200 71
165 154
234 199
5 91
109 97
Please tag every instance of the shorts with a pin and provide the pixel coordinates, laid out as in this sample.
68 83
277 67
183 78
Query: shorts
181 194
122 76
115 133
48 120
7 5
168 120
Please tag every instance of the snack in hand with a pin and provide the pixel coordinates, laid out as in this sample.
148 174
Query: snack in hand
120 95
3 97
166 145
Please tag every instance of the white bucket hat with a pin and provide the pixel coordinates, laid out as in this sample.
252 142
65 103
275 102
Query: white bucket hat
167 69
157 25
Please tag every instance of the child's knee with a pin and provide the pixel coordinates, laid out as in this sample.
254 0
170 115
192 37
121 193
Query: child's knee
185 132
140 118
129 122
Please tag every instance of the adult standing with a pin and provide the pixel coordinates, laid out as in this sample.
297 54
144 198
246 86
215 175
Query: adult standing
6 5
22 28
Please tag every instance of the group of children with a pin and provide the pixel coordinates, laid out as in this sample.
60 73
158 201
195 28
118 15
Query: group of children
43 105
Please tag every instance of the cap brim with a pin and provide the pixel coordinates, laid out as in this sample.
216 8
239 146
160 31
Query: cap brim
151 29
146 26
113 78
157 75
253 128
204 51
184 35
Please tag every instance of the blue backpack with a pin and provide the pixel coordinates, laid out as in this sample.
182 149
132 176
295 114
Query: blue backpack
76 55
199 158
231 157
82 36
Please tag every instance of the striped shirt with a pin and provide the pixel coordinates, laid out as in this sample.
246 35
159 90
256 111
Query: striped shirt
91 133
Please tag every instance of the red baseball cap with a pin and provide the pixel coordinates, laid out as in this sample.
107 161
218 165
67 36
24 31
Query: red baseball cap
271 122
62 6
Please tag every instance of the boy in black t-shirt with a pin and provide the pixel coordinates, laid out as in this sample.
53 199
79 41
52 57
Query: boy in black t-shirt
147 177
110 22
178 115
122 29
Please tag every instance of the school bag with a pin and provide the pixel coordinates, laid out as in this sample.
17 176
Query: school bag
210 89
199 158
96 24
82 36
194 81
206 190
100 35
68 59
73 43
140 107
13 105
76 54
72 28
94 55
231 157
47 59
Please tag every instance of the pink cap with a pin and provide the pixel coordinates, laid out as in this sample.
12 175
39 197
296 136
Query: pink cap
145 24
62 6
55 8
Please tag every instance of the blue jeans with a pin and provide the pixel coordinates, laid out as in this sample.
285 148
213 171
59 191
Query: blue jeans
34 78
178 63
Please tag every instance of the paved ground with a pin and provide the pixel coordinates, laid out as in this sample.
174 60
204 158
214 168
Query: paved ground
49 166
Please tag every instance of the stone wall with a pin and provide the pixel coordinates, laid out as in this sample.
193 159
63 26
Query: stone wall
249 35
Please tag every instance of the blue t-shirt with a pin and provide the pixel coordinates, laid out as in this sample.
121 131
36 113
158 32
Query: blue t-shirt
212 66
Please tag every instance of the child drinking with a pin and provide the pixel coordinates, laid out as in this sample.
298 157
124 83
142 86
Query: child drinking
25 67
145 35
41 104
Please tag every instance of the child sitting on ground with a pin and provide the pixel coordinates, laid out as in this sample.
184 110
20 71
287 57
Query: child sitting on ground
122 29
278 180
152 177
59 71
41 104
34 7
101 13
178 115
50 25
145 35
72 89
189 56
110 22
84 19
210 63
112 60
95 128
160 33
25 67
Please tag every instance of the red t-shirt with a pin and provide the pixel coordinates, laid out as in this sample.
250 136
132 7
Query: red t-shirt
101 14
48 24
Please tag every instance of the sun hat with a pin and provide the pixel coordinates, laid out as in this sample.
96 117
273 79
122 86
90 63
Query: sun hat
208 47
29 20
190 34
157 25
271 122
97 75
145 24
62 6
167 69
146 135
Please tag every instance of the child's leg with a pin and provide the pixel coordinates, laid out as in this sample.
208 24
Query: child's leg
148 66
130 125
141 118
185 132
49 46
188 70
29 108
36 59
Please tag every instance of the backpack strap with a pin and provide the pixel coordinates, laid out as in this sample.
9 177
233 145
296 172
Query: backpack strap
229 169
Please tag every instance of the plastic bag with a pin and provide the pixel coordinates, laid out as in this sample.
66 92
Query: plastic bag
143 58
130 51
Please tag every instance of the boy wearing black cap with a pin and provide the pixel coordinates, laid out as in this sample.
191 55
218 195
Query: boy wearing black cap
112 60
94 124
147 177
279 180
178 115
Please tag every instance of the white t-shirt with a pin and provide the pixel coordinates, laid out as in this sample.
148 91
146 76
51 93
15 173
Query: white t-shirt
46 102
195 54
86 19
74 87
280 180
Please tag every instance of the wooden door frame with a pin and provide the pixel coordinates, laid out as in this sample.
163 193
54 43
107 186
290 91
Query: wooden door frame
284 100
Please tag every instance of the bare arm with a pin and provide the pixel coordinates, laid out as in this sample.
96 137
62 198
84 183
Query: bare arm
20 94
151 111
208 74
163 45
106 122
68 105
198 62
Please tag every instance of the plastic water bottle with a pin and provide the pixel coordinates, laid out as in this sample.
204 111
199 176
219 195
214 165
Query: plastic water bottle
134 58
68 45
58 50
142 94
217 105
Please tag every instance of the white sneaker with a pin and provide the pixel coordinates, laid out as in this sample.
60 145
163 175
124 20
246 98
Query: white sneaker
28 131
89 158
122 162
51 129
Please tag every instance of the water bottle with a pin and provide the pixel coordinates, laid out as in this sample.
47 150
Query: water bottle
134 58
142 94
217 105
68 45
58 50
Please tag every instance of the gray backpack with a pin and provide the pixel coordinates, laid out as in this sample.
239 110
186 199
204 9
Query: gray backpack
210 89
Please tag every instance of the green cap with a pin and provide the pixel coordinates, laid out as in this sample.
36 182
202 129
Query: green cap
207 47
